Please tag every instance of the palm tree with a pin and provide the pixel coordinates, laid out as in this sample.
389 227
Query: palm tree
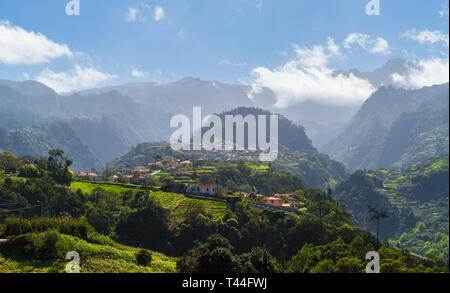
377 215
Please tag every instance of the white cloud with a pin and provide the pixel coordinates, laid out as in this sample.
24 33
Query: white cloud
426 36
132 14
423 73
444 11
377 46
159 13
18 46
231 63
308 77
138 73
77 79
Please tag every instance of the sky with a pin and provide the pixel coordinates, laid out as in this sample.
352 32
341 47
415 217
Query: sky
291 46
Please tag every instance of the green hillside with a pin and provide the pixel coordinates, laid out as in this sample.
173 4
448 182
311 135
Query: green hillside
416 200
395 128
117 227
44 252
317 170
36 141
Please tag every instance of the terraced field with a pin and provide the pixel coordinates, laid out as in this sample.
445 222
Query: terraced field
175 203
422 188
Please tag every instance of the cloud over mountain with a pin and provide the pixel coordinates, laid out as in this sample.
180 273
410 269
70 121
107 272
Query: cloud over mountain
77 79
308 77
422 73
18 46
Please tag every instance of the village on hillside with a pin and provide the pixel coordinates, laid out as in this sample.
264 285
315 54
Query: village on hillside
187 172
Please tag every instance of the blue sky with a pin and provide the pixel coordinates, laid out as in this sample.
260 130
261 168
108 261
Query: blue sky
223 40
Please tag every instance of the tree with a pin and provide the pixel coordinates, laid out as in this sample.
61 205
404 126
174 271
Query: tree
214 256
319 202
377 215
144 258
148 227
8 162
262 260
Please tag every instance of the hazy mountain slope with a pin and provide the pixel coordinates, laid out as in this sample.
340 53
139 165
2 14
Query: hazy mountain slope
383 75
134 122
181 96
36 141
358 145
102 136
417 135
14 112
109 123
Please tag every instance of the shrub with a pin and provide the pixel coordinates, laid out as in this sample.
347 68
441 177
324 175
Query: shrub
65 225
144 258
41 245
29 171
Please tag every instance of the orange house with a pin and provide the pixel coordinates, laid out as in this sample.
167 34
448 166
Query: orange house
273 201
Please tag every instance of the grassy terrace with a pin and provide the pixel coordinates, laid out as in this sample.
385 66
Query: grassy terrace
175 203
395 182
95 258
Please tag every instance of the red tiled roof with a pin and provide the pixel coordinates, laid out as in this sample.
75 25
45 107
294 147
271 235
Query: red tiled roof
272 198
207 186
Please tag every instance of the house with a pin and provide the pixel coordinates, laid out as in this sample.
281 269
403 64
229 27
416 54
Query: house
113 178
171 169
282 196
127 177
138 179
140 169
273 201
156 166
208 189
89 176
202 189
186 164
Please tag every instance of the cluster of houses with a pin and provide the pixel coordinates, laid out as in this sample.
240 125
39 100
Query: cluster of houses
138 175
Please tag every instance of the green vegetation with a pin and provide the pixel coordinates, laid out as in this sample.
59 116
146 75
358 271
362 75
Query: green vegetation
416 200
44 252
38 140
127 228
317 170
